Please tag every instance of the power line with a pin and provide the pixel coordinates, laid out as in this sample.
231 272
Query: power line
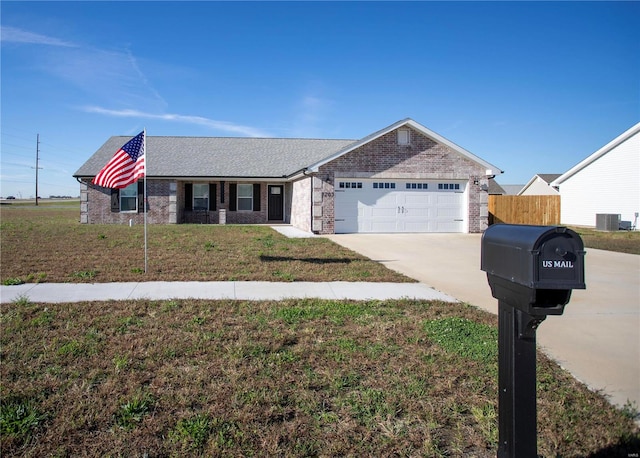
5 134
58 148
14 146
15 164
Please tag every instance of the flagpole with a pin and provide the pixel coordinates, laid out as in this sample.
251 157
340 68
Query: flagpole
146 168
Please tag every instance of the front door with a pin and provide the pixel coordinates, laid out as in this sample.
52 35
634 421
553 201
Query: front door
276 202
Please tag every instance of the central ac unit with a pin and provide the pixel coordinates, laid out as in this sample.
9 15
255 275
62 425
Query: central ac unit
607 222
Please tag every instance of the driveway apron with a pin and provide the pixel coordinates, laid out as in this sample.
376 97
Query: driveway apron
597 338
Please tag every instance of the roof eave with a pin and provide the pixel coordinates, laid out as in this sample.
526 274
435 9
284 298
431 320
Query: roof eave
526 186
491 170
597 155
210 178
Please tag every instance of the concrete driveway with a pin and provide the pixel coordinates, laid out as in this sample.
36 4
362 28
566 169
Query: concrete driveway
598 337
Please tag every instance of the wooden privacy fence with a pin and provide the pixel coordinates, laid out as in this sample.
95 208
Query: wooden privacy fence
539 210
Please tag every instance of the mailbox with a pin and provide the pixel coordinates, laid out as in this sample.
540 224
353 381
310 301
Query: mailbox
532 271
533 268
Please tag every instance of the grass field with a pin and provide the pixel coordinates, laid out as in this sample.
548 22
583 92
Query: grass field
620 241
231 378
48 244
292 378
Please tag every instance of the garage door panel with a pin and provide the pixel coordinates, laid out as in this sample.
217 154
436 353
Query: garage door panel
398 207
448 212
417 199
445 198
384 212
383 226
417 212
450 226
416 226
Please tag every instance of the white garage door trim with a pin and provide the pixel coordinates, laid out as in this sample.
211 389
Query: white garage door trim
380 206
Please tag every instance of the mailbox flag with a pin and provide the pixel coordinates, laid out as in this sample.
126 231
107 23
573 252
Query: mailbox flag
125 167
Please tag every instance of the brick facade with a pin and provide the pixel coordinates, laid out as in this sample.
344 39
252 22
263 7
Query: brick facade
95 205
383 158
166 205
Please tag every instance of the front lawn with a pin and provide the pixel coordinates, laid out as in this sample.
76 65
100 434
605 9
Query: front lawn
292 378
48 244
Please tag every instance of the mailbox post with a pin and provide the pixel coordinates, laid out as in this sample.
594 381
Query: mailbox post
531 271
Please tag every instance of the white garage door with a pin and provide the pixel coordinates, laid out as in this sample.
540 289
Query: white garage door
399 206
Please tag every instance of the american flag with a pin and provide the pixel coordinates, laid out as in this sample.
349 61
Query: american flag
125 167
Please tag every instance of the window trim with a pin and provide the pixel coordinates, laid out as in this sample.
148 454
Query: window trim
245 198
122 196
205 196
384 185
421 186
449 187
350 185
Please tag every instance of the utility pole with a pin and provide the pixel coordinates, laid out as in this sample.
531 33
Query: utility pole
37 159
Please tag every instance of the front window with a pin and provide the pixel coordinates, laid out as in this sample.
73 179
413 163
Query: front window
245 197
129 198
200 196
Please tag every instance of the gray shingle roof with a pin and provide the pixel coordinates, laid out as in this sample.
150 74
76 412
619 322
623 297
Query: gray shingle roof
495 188
549 177
220 156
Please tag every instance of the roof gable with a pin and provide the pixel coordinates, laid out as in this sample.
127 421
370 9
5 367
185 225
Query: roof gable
548 177
543 179
598 154
490 168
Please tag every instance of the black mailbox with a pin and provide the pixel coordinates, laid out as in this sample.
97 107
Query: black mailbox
533 268
532 271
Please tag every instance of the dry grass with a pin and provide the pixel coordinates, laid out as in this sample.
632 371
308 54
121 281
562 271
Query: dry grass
230 378
620 241
48 244
293 378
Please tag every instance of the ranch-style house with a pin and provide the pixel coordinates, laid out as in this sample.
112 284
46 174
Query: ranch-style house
403 178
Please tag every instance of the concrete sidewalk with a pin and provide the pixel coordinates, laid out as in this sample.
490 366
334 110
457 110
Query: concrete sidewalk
250 290
597 338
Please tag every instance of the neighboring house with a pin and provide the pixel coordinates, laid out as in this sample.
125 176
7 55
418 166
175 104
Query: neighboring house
403 178
512 189
540 185
607 182
503 189
495 189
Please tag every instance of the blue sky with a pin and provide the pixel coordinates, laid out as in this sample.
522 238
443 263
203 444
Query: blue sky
531 87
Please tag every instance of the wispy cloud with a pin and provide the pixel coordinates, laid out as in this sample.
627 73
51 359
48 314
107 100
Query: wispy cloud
116 78
224 126
15 35
143 78
102 74
311 111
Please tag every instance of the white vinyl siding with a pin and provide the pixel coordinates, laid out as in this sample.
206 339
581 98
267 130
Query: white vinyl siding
610 184
539 187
